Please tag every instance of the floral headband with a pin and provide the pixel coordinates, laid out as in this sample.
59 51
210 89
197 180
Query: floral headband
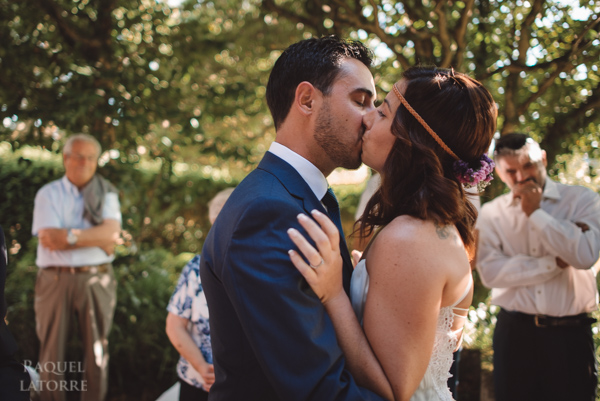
470 178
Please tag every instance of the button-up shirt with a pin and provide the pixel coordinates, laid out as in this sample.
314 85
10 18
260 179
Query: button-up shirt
517 254
59 204
308 171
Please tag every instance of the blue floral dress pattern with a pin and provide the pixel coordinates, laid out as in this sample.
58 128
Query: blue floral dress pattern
188 301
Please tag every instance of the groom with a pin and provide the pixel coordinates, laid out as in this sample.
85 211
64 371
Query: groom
271 336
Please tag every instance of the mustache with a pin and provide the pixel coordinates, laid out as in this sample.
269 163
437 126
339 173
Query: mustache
532 179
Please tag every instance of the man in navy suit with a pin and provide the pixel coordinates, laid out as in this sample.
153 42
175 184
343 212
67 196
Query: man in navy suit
271 336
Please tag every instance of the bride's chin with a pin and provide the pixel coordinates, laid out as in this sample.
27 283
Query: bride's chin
372 162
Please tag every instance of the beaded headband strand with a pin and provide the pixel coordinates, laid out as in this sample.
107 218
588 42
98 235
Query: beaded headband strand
479 178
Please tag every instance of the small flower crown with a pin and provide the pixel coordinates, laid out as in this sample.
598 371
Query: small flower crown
479 178
470 178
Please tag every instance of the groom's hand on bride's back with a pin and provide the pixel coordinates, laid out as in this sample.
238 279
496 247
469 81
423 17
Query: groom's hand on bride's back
356 255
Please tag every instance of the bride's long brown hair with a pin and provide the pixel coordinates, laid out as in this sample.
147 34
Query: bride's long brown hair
417 177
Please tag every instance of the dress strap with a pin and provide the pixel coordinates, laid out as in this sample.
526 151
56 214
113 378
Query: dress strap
453 306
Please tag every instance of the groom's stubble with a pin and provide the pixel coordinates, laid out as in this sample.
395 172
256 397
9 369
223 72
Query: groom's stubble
338 145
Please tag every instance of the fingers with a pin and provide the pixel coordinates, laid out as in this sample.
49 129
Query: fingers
326 238
328 227
356 255
300 264
310 253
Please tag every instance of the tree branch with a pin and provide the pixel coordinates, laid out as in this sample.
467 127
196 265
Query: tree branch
69 33
523 44
460 33
443 34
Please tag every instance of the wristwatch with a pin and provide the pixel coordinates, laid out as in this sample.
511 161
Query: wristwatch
71 237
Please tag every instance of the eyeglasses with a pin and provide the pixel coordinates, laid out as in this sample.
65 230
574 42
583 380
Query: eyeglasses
79 157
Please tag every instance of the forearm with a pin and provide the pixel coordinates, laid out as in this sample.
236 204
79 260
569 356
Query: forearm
577 243
360 358
102 235
184 344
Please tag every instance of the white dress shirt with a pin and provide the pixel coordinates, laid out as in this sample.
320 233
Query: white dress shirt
308 171
516 254
59 204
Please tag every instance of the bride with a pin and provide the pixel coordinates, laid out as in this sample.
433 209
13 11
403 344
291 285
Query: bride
411 290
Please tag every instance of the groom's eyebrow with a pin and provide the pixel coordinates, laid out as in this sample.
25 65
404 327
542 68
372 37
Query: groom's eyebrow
366 91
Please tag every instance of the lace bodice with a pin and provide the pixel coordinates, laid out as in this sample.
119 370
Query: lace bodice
433 386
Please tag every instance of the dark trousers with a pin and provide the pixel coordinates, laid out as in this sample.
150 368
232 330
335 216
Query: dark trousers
187 392
543 363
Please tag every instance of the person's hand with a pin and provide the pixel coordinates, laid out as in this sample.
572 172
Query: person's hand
55 239
108 249
530 193
325 275
356 255
207 371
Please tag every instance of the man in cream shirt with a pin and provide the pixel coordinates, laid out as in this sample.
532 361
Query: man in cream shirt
537 248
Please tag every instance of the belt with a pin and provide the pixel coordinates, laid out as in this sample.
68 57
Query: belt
545 321
103 268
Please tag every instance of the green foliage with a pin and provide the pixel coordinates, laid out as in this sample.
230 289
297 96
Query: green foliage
142 363
21 178
186 84
19 294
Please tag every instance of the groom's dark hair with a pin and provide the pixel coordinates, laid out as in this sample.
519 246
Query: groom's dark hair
315 60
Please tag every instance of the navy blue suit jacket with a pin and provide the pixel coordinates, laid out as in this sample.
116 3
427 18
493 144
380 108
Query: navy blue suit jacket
272 339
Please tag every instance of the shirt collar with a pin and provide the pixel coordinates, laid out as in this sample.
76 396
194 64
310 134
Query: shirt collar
69 186
308 171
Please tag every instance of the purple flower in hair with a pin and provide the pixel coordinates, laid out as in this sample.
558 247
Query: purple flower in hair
479 178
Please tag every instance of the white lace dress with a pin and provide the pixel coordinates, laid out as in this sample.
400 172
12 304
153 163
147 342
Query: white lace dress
433 386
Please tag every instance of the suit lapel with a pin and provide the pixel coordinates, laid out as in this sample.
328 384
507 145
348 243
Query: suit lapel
299 189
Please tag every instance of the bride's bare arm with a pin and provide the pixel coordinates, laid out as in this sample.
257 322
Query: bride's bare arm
361 360
326 281
407 277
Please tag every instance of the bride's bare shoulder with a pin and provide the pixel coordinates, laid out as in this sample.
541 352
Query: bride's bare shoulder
415 242
402 234
406 229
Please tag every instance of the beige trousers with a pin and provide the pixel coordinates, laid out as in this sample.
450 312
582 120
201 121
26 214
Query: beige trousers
59 296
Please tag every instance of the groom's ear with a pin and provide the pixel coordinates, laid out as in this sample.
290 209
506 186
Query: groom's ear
306 97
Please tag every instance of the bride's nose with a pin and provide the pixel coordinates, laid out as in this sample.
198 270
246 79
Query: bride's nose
368 119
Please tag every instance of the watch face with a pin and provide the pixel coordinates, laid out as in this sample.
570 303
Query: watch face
71 238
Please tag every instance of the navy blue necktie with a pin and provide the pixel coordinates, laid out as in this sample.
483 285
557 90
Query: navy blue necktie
333 210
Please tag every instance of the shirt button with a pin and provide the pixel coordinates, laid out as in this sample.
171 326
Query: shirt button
539 292
533 249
